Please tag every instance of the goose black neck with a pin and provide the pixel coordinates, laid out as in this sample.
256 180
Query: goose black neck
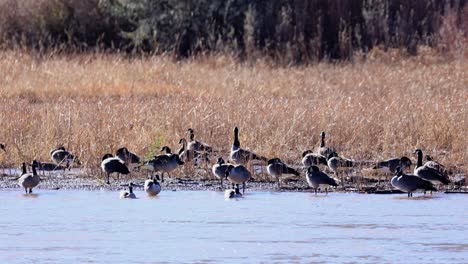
236 138
322 144
419 164
130 189
34 169
24 168
192 136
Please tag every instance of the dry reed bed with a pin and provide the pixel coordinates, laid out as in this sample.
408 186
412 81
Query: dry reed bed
93 104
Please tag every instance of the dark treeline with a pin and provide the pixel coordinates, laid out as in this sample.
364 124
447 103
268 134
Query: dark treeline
288 30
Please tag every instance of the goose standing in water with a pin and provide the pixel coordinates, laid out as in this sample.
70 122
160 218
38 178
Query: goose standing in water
130 159
128 194
219 170
237 175
163 163
318 179
277 168
111 164
410 183
197 145
232 193
310 158
428 173
242 156
152 187
29 180
60 156
323 150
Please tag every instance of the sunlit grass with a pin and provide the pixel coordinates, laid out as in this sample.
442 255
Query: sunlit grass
92 104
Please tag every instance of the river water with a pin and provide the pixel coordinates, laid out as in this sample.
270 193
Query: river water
201 226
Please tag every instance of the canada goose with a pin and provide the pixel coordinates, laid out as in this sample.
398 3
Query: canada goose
410 183
318 179
428 173
232 193
310 158
323 150
128 157
390 165
29 180
190 154
61 157
242 156
128 194
336 163
49 166
277 168
164 163
436 165
111 164
152 187
237 175
219 170
197 145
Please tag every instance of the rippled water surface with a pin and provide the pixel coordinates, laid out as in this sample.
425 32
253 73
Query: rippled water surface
201 226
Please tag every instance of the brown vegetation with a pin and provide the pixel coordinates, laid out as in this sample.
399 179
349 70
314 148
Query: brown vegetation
384 106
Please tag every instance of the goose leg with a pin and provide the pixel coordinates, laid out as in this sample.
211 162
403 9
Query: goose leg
162 176
326 191
409 194
26 190
243 188
30 190
315 191
108 176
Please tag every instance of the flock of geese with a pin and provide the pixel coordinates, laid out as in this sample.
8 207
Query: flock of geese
425 178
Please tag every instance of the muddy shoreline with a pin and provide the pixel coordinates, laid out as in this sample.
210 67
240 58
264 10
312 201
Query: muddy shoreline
61 181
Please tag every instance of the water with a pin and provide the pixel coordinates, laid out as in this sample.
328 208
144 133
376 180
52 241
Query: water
201 226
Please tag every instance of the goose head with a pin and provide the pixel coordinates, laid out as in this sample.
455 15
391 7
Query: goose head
220 161
417 151
405 162
274 160
2 147
122 151
313 169
166 149
182 141
428 158
306 152
332 155
106 156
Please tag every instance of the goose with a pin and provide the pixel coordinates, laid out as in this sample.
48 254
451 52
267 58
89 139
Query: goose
29 180
190 154
410 183
61 156
335 163
49 166
277 168
427 172
164 163
219 169
318 179
310 158
128 157
197 145
241 156
111 164
232 193
152 187
390 165
323 150
435 165
237 175
128 194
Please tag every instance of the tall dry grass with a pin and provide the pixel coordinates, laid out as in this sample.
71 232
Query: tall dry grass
385 106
